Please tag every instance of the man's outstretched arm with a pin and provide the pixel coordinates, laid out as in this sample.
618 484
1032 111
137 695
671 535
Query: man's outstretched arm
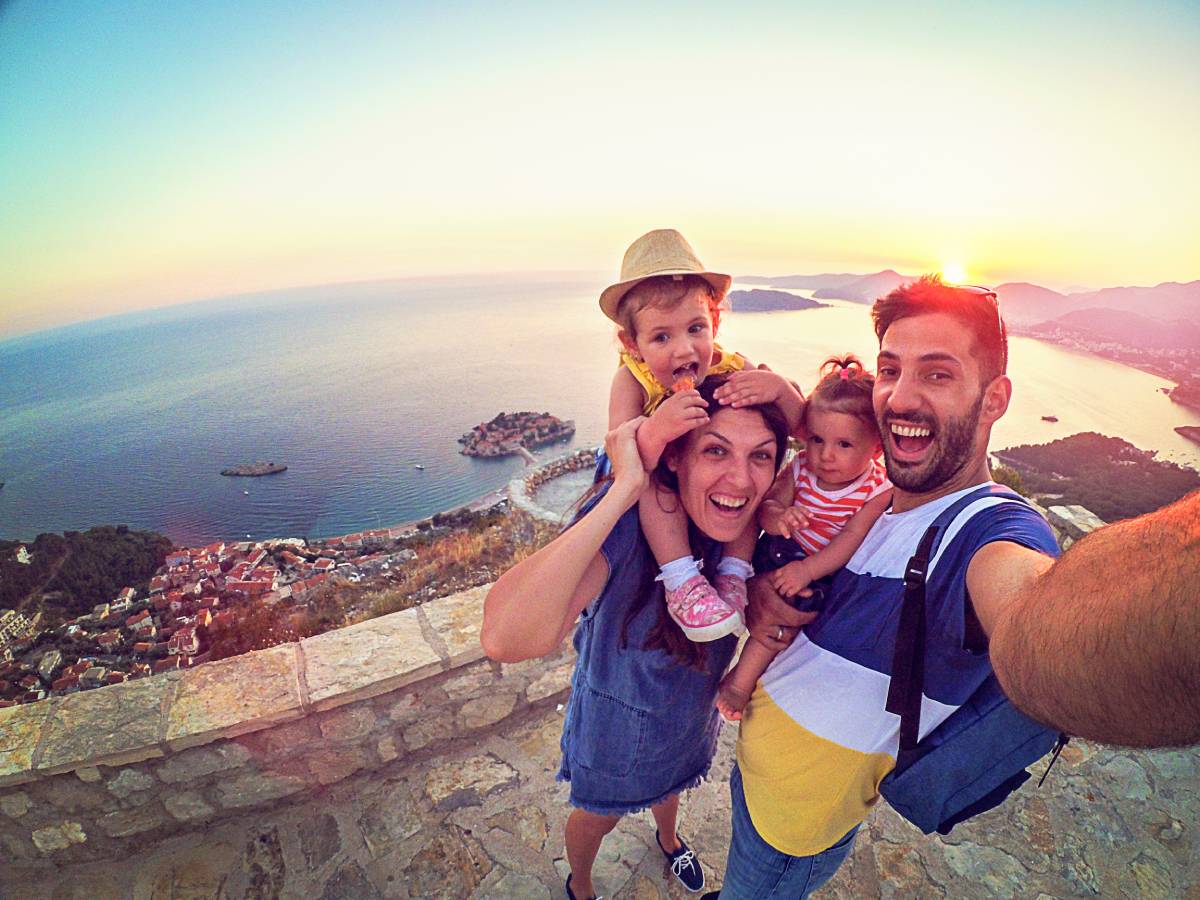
1105 643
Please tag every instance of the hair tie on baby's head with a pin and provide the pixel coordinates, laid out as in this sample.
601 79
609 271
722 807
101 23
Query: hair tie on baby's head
845 373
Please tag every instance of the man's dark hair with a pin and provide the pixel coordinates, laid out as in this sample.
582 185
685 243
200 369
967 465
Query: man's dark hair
975 307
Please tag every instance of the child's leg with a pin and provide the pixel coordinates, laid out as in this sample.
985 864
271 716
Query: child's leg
693 603
735 569
665 525
738 683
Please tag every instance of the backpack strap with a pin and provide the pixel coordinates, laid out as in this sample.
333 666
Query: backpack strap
908 658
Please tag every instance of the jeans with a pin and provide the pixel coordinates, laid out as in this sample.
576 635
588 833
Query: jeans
754 870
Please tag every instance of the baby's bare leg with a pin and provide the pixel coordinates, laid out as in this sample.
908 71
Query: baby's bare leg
738 683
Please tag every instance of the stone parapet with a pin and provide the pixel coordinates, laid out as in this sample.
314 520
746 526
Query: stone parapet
522 490
94 775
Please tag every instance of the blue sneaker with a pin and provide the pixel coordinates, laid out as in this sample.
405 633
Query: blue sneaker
684 865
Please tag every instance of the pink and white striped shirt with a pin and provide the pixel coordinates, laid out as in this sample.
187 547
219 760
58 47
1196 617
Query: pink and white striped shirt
829 511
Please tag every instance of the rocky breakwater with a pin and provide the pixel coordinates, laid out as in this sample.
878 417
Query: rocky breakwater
522 491
510 433
99 775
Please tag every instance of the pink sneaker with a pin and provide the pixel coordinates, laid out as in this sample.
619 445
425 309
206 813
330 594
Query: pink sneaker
699 610
733 591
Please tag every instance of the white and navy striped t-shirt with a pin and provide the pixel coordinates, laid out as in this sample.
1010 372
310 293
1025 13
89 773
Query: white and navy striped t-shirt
816 738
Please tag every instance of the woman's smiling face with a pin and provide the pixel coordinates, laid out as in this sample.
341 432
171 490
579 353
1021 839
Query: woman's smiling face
724 469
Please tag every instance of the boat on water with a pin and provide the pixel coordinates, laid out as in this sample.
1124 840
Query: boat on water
255 469
419 467
1049 418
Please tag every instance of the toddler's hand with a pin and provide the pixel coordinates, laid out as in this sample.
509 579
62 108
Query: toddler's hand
751 387
679 414
791 521
791 579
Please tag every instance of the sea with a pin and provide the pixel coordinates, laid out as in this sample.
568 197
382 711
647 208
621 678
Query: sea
362 390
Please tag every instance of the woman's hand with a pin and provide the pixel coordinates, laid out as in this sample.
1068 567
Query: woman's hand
772 622
751 387
629 475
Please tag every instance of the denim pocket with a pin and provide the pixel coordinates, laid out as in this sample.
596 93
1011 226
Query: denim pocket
608 733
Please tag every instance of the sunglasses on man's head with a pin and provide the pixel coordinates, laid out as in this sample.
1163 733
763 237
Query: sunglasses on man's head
976 290
988 294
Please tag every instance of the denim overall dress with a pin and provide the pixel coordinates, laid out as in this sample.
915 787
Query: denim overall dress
639 726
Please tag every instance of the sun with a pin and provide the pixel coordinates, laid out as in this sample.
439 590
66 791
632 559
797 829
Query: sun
953 273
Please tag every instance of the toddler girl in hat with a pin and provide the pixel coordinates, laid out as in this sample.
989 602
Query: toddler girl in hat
820 508
668 308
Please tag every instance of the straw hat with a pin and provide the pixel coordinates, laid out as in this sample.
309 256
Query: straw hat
660 252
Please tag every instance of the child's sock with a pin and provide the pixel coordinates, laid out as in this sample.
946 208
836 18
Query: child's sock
738 568
677 571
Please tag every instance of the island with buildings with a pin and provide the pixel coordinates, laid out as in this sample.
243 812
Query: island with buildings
510 433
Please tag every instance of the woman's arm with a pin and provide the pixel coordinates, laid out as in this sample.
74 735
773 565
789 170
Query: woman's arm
533 605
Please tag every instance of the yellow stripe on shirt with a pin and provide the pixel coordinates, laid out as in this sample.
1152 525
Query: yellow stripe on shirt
803 792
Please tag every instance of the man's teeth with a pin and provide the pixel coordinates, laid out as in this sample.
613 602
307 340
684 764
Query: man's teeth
728 502
910 430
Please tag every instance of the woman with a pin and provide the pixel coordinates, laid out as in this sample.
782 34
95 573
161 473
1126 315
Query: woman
640 726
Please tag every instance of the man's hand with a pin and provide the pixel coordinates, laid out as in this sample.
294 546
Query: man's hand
750 387
772 622
791 579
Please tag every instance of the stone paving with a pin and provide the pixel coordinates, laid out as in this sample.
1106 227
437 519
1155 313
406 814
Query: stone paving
484 819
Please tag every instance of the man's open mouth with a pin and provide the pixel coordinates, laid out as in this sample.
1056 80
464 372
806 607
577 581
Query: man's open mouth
910 441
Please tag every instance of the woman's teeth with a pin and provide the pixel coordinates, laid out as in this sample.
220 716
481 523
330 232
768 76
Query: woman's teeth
729 503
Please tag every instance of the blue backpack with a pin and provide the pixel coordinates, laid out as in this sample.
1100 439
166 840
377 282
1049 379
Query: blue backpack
978 756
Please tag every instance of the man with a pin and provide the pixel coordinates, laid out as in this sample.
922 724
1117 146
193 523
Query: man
817 740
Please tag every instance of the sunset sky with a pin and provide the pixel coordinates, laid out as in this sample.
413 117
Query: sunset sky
152 153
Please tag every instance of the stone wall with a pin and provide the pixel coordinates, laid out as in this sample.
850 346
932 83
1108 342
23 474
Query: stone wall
94 775
523 489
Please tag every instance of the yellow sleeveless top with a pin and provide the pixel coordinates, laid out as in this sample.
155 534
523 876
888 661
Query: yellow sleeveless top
656 393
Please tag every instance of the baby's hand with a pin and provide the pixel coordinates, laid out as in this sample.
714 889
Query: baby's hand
791 521
791 579
751 387
679 414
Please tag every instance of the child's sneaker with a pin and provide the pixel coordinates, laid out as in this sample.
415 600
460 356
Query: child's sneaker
698 609
732 590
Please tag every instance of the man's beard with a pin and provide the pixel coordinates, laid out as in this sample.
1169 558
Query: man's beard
952 450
